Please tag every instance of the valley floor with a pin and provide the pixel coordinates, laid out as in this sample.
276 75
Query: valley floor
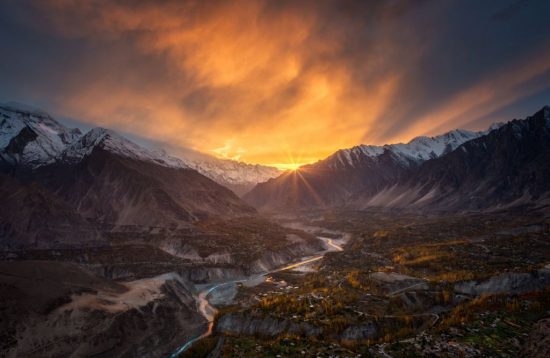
470 285
346 284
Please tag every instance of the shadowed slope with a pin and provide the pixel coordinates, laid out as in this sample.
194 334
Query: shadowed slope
506 165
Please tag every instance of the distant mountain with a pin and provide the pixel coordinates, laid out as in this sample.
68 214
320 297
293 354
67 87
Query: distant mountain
112 142
334 180
58 182
31 137
417 150
508 166
238 176
393 175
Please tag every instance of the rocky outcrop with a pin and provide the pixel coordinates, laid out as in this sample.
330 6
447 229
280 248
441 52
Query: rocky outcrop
360 332
510 282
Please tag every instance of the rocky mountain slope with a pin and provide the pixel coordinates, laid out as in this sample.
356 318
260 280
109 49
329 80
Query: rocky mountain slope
421 172
334 180
31 216
60 309
111 189
508 166
106 202
57 183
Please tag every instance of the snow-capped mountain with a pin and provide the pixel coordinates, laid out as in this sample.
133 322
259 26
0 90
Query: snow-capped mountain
509 166
32 138
454 171
113 142
417 150
100 180
238 176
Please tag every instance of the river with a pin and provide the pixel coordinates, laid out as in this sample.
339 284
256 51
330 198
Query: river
209 312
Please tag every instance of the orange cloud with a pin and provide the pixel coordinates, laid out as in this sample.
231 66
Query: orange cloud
267 88
267 82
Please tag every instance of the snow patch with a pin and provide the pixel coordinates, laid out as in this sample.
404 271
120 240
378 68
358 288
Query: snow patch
417 150
51 137
113 142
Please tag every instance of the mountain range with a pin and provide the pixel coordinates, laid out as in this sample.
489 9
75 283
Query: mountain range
106 179
57 182
105 201
238 176
461 170
42 140
113 248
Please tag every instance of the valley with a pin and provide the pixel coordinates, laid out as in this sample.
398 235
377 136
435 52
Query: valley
274 179
377 283
139 284
444 299
209 312
436 247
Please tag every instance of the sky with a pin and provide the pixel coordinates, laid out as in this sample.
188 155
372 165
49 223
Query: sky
277 82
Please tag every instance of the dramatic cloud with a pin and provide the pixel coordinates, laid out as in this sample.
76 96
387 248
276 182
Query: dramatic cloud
276 82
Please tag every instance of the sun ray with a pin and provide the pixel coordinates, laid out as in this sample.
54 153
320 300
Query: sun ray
311 190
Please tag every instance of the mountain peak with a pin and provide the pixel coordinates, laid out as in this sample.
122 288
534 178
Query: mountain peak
30 136
420 148
459 170
102 132
113 142
100 136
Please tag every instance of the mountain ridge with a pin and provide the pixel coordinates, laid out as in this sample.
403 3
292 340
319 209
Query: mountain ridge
369 176
57 182
38 139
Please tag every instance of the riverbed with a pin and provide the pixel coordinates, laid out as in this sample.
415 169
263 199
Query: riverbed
224 292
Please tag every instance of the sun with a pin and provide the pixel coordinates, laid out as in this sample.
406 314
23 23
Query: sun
288 166
293 160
